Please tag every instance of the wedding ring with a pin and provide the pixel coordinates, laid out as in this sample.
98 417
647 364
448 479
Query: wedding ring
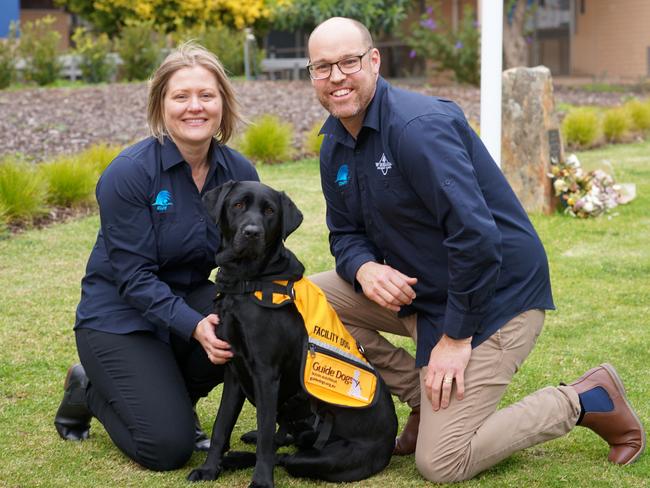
448 380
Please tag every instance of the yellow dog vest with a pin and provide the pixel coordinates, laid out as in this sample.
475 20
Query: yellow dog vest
334 369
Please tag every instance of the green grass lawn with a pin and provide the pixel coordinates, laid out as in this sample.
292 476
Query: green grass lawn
600 271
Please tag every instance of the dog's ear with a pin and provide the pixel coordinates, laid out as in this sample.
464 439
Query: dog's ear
291 216
213 200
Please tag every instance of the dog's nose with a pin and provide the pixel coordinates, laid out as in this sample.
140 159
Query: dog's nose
252 231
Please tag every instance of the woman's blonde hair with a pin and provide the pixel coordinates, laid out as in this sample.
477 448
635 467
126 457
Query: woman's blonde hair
188 55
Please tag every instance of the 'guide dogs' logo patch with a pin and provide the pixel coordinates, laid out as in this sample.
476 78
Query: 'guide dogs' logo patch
383 164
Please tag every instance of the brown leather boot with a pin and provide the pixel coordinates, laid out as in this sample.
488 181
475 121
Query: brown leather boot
620 427
405 443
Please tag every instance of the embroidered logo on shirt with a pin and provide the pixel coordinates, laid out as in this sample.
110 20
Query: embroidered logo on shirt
343 175
163 201
383 164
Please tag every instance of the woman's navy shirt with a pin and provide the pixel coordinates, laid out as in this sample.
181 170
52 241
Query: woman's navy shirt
156 242
417 190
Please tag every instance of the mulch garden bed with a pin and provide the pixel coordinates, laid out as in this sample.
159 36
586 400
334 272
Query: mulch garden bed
43 122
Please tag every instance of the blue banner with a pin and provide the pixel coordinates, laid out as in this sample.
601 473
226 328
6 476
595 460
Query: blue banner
9 12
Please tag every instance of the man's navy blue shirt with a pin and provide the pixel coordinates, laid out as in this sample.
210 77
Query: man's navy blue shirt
417 190
156 242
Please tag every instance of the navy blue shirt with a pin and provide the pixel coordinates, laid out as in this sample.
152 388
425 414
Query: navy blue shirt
418 191
156 243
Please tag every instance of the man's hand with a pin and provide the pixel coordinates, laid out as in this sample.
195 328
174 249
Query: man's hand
218 351
386 286
447 363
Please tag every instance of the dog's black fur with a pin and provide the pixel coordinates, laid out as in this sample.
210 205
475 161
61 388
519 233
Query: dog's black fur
268 344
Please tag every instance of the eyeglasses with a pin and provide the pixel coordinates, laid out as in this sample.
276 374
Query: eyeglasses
347 66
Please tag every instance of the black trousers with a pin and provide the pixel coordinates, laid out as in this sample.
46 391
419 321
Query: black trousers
143 390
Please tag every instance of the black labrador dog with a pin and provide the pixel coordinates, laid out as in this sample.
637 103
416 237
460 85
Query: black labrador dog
268 346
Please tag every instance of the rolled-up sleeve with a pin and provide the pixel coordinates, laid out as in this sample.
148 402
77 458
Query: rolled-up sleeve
436 154
129 235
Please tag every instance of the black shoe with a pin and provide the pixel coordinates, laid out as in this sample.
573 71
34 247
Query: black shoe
201 441
72 420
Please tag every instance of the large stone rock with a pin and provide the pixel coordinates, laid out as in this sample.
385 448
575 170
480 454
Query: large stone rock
530 136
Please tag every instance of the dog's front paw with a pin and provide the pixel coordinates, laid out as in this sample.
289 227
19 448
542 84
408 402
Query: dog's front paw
204 474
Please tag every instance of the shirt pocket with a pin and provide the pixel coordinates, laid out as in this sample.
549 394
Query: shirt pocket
394 198
168 236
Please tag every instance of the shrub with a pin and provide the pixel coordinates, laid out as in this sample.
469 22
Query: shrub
616 124
3 221
139 46
22 192
581 127
227 44
98 156
8 48
639 112
313 140
69 181
38 47
96 66
457 51
268 140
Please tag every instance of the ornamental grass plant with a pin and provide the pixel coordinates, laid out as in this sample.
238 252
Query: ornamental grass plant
313 140
581 127
639 113
69 180
616 124
3 221
22 191
99 155
267 140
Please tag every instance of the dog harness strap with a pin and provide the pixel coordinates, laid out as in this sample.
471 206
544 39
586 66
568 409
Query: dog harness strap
326 426
323 424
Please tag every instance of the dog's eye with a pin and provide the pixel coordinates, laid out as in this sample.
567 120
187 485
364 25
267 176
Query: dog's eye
269 211
238 205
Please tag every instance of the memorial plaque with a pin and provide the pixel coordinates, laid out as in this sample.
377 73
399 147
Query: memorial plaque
554 144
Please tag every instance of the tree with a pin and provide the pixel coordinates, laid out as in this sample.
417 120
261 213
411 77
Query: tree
170 15
516 14
377 15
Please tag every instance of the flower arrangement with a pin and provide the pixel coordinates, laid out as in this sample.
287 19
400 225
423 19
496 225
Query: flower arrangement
585 194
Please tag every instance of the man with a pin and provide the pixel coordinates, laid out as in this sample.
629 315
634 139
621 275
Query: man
423 222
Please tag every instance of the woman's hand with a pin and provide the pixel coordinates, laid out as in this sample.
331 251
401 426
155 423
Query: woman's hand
218 351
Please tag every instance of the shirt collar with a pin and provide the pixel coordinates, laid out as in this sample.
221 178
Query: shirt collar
371 119
171 156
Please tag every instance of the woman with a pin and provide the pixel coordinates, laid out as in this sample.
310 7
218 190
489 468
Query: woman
144 328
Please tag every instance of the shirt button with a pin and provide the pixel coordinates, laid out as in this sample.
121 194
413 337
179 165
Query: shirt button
447 182
201 219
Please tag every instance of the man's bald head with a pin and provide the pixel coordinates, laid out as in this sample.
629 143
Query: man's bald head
332 28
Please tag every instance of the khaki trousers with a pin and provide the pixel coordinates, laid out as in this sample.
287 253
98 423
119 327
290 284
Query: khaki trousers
364 318
469 436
